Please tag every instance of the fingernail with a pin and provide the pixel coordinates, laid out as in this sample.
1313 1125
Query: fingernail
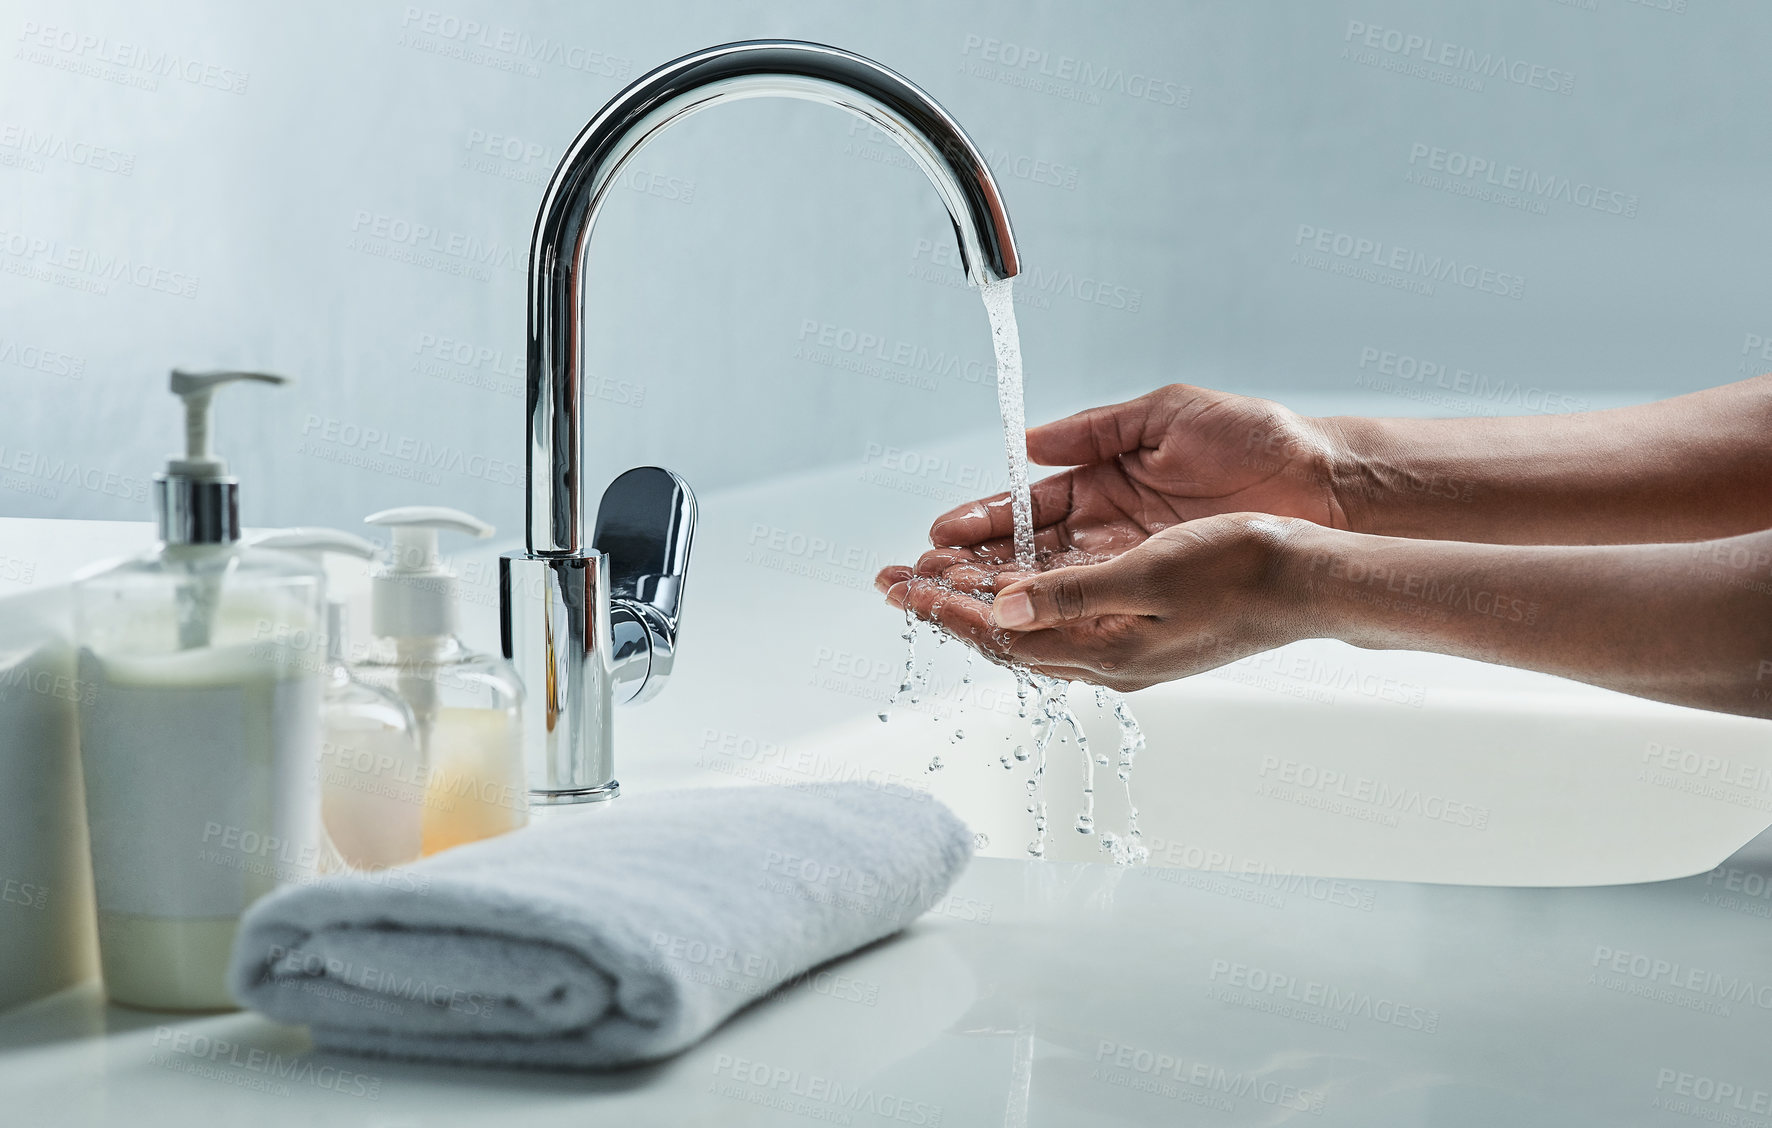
1015 610
896 593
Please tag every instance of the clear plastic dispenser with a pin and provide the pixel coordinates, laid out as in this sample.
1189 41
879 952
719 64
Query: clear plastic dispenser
372 781
199 714
466 703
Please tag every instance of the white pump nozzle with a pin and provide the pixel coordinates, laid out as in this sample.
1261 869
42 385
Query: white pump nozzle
415 595
415 534
197 389
314 542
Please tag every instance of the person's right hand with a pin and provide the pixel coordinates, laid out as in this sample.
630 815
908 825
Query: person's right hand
1174 455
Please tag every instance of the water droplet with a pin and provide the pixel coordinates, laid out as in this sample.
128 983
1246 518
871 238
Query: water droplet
1085 825
959 734
935 764
884 717
981 841
1021 753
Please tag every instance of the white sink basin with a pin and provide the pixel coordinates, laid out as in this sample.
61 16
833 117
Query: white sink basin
1471 787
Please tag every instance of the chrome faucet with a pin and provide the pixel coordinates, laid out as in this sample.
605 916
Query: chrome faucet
586 627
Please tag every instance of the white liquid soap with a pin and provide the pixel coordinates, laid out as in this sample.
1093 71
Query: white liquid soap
199 730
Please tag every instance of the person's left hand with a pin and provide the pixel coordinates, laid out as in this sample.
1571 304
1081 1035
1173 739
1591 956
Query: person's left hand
1189 598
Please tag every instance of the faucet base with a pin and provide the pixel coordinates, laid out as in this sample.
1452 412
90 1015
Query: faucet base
554 630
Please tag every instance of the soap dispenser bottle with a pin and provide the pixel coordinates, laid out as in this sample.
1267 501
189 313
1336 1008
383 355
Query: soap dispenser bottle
372 776
466 703
199 728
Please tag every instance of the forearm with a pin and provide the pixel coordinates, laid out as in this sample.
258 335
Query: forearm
1690 468
1686 623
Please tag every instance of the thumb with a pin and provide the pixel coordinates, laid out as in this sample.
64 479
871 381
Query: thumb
1065 595
1095 435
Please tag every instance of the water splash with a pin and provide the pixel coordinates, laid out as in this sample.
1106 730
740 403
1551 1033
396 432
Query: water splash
910 659
1047 698
1131 848
1052 694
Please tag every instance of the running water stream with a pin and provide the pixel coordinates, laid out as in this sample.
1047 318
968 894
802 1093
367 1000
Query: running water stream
999 303
1048 698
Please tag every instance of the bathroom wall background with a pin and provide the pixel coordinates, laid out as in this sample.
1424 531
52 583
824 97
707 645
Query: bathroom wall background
1258 196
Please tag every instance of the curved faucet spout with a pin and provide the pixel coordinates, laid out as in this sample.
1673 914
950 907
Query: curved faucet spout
581 184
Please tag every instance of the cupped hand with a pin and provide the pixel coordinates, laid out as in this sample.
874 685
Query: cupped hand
1175 455
1187 598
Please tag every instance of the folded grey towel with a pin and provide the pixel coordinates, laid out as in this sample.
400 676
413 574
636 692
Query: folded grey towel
604 937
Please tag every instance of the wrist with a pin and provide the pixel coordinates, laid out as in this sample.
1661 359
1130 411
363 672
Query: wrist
1297 574
1352 447
1293 600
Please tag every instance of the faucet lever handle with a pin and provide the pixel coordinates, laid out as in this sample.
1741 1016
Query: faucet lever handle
645 524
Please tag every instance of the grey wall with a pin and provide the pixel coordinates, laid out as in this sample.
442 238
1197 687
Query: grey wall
1249 188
